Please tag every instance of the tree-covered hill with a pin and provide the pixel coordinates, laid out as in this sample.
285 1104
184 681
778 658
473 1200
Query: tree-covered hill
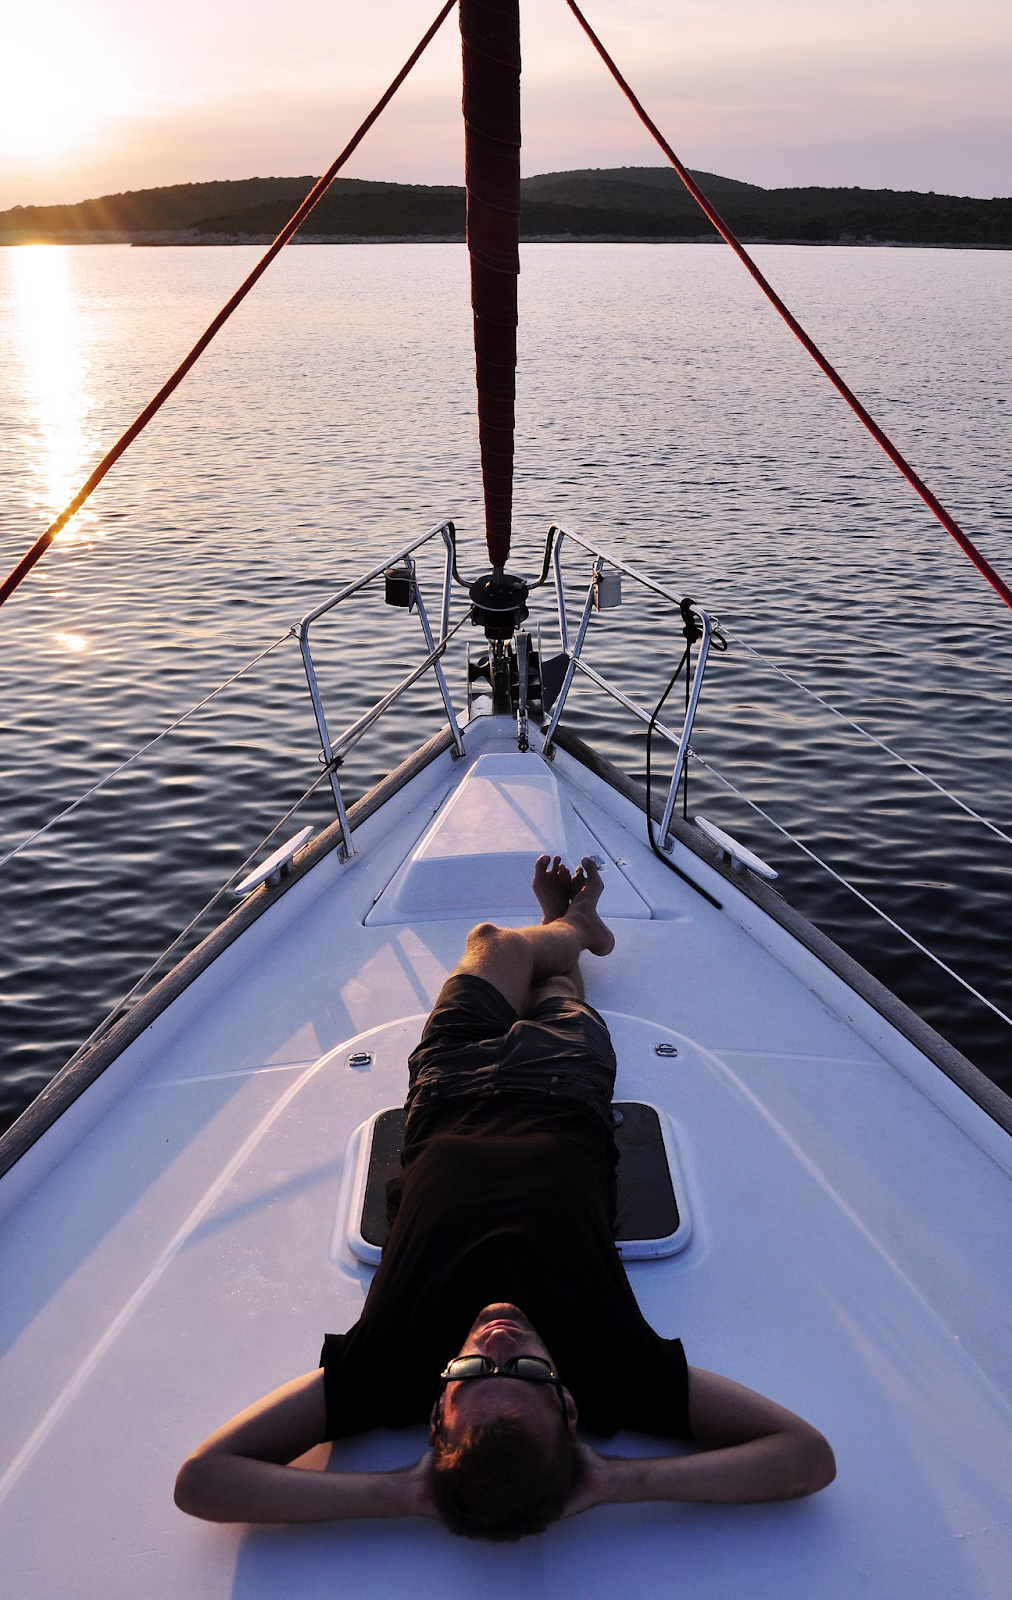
620 203
184 205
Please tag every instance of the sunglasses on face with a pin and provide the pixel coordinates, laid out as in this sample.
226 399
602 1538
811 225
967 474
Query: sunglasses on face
529 1369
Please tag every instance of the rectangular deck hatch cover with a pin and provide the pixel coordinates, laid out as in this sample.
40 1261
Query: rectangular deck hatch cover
648 1217
477 855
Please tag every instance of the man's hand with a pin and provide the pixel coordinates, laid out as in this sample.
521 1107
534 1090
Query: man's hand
420 1499
591 1481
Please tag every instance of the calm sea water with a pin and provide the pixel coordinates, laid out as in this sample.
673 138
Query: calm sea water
662 408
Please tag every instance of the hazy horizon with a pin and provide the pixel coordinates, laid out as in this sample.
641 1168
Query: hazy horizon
102 96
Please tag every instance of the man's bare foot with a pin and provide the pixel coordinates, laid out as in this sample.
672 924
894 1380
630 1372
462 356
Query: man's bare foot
587 889
553 886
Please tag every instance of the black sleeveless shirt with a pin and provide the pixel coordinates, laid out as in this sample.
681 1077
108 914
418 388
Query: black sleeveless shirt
505 1200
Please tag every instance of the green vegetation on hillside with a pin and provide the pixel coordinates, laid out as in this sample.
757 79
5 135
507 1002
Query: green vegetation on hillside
626 202
184 205
355 208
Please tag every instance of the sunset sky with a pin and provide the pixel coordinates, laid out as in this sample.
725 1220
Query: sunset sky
104 95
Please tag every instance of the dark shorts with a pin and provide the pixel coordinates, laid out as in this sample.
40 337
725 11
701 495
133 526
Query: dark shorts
475 1046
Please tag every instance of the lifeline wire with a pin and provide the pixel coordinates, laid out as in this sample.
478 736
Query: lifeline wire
863 897
117 1010
868 735
934 505
137 753
122 444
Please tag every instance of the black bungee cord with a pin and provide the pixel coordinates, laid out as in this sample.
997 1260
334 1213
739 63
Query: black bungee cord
690 632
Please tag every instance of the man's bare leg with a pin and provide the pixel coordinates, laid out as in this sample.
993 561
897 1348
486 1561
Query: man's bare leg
529 964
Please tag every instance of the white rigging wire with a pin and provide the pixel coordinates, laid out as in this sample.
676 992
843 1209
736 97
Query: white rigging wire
863 897
118 1008
867 735
137 753
774 667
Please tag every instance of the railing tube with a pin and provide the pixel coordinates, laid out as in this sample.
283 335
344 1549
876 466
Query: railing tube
624 700
683 744
451 556
622 566
345 849
355 730
360 583
458 738
560 591
546 749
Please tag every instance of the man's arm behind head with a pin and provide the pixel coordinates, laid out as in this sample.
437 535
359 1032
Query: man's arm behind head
499 1480
752 1450
243 1472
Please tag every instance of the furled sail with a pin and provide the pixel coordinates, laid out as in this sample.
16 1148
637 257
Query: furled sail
490 35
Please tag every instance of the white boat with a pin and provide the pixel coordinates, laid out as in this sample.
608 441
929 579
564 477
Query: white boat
182 1209
185 1210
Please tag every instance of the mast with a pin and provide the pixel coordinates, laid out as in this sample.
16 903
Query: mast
490 38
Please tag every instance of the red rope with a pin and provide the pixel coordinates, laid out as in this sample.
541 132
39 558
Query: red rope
948 522
42 544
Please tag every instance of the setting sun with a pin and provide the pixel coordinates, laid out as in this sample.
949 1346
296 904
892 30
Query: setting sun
62 84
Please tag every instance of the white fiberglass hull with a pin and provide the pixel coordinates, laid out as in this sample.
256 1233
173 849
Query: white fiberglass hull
175 1244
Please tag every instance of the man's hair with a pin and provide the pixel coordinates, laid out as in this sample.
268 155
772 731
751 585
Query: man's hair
502 1479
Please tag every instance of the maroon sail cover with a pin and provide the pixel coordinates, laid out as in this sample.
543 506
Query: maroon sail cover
490 35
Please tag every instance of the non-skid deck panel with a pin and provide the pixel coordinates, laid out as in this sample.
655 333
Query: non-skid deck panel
647 1207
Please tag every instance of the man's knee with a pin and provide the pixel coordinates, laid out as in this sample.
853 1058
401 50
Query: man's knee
503 956
488 939
502 946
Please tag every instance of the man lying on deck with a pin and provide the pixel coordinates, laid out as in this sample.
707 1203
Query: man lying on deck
500 1312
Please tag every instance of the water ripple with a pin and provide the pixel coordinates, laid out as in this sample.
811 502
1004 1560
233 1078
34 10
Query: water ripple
663 408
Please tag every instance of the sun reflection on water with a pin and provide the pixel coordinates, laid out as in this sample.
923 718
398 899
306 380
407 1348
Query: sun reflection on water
47 328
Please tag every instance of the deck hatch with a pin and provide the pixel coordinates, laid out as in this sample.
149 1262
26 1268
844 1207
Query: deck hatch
650 1220
476 857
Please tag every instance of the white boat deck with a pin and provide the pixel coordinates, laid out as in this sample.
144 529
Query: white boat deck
175 1245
